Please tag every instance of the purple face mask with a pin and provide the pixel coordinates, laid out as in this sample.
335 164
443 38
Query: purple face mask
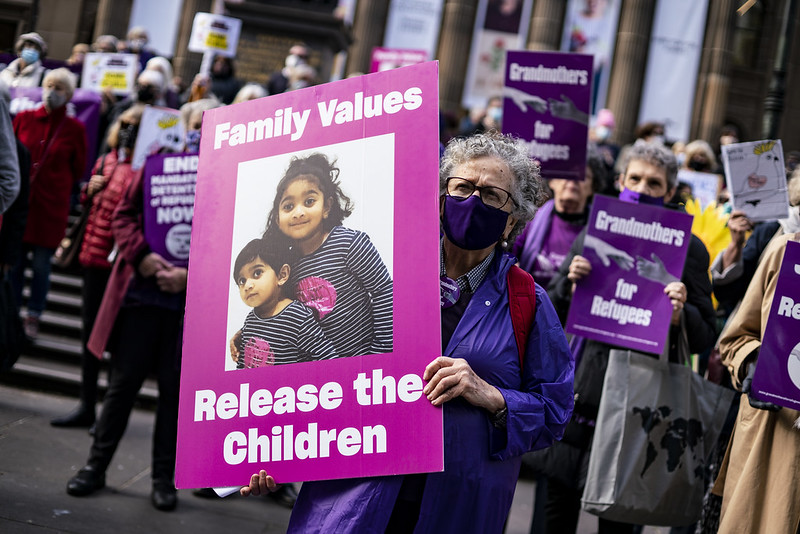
472 225
626 195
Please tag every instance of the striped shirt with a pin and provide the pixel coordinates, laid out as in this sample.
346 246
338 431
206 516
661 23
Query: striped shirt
349 287
291 336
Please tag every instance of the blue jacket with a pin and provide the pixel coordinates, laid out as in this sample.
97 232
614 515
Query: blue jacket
474 492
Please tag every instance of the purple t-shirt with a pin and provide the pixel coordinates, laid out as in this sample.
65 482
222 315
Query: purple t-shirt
554 249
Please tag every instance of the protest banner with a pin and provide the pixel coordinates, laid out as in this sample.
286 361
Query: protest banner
392 58
777 376
113 71
160 129
756 179
360 414
169 183
84 106
635 251
215 33
705 185
546 103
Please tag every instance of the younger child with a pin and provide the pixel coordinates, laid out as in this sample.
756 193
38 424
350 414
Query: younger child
340 273
278 330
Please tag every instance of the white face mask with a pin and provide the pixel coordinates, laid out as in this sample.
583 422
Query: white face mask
293 60
791 224
602 132
53 99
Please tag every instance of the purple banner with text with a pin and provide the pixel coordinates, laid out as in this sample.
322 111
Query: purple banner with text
635 250
777 377
169 181
546 103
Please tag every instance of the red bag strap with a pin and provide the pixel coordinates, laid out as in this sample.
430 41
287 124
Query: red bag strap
522 306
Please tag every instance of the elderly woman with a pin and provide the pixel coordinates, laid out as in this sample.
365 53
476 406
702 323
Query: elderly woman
27 70
545 242
57 144
649 176
494 409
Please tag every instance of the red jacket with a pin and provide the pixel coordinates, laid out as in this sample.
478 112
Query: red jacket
98 240
57 144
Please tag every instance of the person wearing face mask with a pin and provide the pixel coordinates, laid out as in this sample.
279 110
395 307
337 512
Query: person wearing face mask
111 176
734 267
279 81
601 136
497 404
57 143
149 90
545 242
136 43
192 118
27 70
224 84
649 176
484 120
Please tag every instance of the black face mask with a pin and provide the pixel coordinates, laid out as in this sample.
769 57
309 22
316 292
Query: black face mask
146 94
127 135
697 165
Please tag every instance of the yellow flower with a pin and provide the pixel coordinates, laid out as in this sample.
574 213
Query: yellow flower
711 226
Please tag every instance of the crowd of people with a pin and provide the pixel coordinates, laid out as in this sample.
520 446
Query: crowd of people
502 403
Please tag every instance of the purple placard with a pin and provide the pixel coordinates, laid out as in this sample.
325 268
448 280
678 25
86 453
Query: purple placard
169 183
777 377
546 103
383 131
392 58
84 106
635 251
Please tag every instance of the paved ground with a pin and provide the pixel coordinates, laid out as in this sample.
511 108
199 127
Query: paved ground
36 460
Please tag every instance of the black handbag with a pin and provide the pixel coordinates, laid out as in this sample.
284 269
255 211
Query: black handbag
66 255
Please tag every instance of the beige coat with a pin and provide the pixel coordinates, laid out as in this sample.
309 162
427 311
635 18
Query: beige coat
760 476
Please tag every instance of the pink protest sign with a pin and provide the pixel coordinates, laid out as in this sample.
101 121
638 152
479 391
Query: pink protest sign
635 251
313 296
777 377
392 58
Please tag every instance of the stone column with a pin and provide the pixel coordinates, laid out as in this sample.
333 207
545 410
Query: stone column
713 84
630 62
112 18
458 20
184 63
547 23
369 25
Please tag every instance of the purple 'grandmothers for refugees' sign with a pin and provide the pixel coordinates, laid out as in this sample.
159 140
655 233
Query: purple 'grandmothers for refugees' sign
777 377
635 251
546 102
169 183
331 385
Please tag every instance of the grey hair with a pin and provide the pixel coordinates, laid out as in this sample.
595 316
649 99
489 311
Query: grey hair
655 154
64 76
250 91
527 189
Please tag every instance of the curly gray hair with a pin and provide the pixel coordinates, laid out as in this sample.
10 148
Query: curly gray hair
657 155
527 189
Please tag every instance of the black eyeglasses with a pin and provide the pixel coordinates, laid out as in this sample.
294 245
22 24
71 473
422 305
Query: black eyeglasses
494 197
